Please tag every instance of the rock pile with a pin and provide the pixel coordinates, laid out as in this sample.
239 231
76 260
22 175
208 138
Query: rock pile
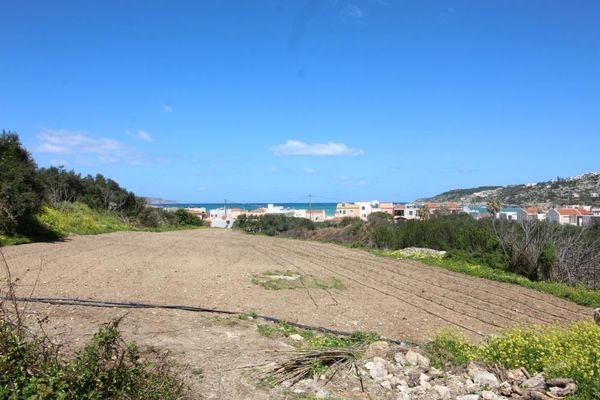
416 251
404 374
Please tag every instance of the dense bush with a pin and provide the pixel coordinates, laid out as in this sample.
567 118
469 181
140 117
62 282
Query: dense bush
21 194
459 233
184 218
274 224
32 368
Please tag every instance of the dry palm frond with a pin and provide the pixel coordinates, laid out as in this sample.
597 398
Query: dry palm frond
302 364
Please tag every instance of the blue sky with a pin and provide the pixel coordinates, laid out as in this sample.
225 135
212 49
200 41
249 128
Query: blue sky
270 100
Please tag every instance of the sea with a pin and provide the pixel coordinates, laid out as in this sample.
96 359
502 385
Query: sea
329 208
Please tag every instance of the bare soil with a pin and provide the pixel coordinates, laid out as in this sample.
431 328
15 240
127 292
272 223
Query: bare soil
214 268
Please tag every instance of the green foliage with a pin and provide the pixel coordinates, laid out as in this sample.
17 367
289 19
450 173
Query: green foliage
149 217
450 348
566 352
547 259
185 218
79 219
449 232
273 224
318 339
21 194
578 294
106 368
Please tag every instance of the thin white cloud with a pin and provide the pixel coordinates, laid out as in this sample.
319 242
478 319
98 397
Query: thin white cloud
166 108
273 169
309 170
352 11
352 181
85 148
297 148
145 136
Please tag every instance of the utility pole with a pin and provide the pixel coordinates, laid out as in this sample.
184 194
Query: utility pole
310 206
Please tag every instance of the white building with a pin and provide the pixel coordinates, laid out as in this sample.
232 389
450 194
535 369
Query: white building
570 216
367 207
411 211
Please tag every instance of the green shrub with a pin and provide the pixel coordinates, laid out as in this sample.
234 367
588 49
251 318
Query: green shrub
106 368
185 218
273 224
565 352
450 348
21 194
78 218
149 217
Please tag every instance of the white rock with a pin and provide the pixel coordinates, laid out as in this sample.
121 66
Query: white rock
471 387
417 391
400 359
296 337
468 397
425 385
322 394
443 391
417 359
377 369
403 396
424 378
386 385
482 377
505 388
456 385
489 395
534 381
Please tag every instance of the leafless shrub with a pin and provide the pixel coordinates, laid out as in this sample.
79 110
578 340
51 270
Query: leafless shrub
548 251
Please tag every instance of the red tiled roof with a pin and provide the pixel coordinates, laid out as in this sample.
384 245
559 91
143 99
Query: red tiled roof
573 211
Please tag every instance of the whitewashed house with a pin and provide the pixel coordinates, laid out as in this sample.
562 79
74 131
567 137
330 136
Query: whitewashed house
570 216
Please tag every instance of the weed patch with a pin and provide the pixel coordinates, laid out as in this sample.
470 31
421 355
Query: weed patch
565 352
318 339
32 368
79 219
281 280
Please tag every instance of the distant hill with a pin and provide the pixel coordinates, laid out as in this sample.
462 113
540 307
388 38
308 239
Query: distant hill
581 189
158 200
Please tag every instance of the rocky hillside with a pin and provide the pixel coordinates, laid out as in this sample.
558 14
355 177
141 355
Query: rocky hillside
581 189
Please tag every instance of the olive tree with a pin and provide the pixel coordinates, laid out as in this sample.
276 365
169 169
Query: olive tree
21 195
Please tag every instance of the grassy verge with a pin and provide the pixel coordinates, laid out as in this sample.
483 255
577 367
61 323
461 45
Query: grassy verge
76 218
578 294
317 339
11 240
81 220
559 352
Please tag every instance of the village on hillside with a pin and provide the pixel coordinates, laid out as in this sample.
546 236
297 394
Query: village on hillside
572 214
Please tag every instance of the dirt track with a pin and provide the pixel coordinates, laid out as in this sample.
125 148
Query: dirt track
214 268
